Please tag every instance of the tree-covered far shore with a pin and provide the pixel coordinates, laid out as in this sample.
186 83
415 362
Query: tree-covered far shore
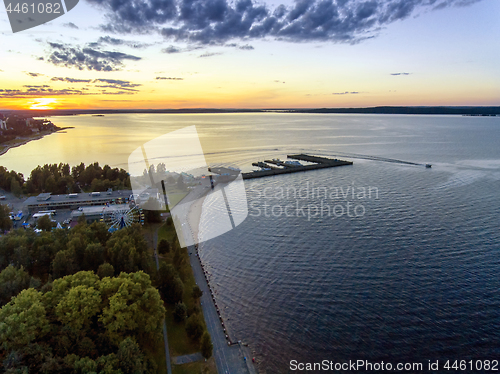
62 178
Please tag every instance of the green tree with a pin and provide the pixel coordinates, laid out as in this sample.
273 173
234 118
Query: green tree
130 357
82 220
5 221
50 184
206 345
12 282
170 180
99 231
163 246
44 223
78 306
23 320
127 251
85 365
176 290
15 187
180 183
105 270
152 212
132 306
179 257
43 249
60 287
180 312
170 285
65 263
196 292
87 347
93 256
109 364
194 327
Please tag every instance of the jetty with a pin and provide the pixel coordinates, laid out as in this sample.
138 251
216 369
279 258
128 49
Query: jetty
276 167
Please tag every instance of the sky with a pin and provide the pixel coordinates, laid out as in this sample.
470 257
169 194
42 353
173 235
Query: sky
162 54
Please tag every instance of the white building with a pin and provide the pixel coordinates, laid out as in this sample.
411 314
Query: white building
3 124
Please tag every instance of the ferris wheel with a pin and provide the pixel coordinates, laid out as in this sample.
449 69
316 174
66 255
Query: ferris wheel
117 217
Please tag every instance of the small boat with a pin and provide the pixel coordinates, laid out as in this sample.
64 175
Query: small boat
428 166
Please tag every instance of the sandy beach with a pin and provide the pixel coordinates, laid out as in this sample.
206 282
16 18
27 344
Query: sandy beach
189 213
194 217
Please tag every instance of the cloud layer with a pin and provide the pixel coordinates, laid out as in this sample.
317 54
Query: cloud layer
99 86
87 58
217 21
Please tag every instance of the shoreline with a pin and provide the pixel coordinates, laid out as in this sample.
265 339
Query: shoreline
27 140
485 110
242 349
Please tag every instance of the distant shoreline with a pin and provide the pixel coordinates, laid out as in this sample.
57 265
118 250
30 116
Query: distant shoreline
24 140
409 110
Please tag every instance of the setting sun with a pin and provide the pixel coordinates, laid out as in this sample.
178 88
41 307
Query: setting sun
44 103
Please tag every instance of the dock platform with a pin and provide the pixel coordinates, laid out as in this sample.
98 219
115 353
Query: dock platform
316 163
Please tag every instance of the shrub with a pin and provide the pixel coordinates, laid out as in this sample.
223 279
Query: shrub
180 312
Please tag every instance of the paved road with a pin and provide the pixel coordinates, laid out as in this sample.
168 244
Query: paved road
186 359
229 359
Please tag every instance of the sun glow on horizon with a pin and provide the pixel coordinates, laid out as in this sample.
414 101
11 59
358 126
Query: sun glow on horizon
43 104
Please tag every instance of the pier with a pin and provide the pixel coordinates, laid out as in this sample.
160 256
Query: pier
277 167
263 165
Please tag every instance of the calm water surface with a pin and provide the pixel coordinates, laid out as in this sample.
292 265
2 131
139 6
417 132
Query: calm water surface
416 277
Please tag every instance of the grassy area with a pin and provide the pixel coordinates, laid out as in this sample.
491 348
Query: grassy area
174 198
196 367
167 232
178 340
158 352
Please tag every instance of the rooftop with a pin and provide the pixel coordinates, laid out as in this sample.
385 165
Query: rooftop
96 210
75 198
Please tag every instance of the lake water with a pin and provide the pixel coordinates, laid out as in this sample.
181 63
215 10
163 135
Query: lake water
410 273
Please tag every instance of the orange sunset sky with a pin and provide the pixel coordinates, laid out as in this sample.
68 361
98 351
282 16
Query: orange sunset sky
244 54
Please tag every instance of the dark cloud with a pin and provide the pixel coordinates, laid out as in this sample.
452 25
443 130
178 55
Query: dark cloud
119 87
246 47
217 21
210 54
104 92
117 84
169 78
70 80
400 73
460 3
40 91
33 92
71 25
116 87
87 58
34 75
171 49
42 86
346 93
118 42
